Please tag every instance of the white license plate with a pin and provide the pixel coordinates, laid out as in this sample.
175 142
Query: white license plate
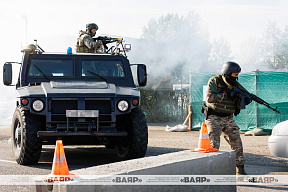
82 113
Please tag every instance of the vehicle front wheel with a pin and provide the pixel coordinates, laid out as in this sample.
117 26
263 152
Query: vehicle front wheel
26 146
135 146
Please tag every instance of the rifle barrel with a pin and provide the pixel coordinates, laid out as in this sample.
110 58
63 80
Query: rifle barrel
255 98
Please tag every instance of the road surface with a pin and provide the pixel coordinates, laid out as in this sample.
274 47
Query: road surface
256 154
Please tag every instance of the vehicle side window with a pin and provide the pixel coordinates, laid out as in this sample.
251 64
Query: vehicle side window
103 68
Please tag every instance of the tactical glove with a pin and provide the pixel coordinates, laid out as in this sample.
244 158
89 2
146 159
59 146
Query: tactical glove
233 94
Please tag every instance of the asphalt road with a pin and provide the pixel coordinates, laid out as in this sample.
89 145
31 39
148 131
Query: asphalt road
256 153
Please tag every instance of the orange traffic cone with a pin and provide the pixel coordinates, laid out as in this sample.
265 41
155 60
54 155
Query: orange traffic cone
204 141
60 171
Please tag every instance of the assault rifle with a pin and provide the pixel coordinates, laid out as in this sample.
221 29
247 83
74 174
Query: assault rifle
105 40
253 97
118 49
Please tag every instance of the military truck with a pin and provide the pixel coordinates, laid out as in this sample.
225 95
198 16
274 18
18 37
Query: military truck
80 98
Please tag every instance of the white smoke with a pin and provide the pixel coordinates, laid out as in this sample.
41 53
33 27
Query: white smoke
55 24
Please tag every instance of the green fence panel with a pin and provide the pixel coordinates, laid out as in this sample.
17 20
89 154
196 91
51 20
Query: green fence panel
268 85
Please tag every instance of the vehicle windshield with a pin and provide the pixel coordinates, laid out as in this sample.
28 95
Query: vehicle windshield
102 68
64 68
51 68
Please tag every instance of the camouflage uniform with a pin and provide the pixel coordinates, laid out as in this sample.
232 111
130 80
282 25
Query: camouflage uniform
230 130
85 44
222 119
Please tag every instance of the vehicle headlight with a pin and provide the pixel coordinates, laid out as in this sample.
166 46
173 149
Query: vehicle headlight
123 105
38 105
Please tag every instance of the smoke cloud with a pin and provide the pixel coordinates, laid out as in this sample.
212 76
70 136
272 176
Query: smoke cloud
172 53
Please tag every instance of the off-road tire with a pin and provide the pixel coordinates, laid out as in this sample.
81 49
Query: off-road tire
27 146
135 146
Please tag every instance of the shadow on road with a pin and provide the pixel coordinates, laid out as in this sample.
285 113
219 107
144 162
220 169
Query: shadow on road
153 151
83 157
266 160
78 157
263 187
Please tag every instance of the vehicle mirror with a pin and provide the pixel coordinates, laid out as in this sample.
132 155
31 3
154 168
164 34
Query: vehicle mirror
7 74
141 75
127 47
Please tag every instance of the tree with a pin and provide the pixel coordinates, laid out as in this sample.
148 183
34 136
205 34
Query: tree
250 56
282 56
220 53
163 29
275 46
180 45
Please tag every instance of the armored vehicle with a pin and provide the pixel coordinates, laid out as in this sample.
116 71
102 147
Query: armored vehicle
80 98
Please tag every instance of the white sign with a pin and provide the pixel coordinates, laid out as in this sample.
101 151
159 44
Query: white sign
144 180
205 88
82 113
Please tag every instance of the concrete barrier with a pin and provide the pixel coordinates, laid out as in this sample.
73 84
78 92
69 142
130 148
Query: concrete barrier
178 163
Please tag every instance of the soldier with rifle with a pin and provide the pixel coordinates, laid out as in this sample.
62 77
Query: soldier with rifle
225 97
85 42
221 103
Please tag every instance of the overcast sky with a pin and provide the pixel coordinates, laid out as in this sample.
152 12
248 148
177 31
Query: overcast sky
50 21
37 19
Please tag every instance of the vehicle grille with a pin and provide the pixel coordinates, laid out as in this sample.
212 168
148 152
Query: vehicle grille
59 107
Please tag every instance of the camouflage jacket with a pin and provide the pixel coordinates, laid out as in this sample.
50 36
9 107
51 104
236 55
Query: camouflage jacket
85 43
217 96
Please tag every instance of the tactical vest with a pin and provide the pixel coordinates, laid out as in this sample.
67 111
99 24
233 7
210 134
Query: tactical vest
228 105
81 47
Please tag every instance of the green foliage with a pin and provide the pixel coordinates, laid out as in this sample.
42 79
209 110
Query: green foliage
275 46
162 29
164 105
220 53
176 45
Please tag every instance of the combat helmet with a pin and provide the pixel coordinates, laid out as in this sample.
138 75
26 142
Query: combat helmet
230 67
90 26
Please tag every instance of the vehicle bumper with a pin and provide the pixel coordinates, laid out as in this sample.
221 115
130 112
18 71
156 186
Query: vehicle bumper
278 145
70 133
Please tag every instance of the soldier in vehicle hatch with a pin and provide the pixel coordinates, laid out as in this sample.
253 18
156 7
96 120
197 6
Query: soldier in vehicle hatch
85 43
222 102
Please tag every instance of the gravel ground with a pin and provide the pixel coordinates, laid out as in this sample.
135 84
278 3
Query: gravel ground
256 153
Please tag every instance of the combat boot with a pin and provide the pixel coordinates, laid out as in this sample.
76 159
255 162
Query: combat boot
240 170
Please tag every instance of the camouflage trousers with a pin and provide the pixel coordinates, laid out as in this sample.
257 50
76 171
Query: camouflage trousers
230 130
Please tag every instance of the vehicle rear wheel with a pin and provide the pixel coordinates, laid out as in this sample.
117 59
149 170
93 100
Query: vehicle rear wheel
26 146
135 146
